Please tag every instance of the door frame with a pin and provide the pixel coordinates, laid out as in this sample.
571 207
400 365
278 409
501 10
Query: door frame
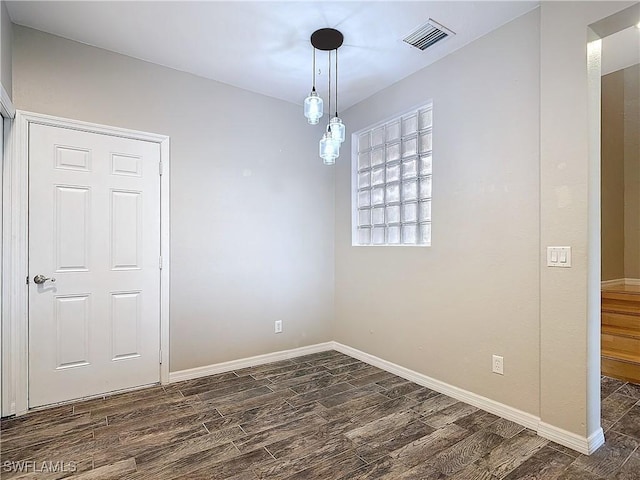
15 238
8 113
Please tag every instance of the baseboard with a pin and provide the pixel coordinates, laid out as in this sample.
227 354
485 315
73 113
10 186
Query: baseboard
563 437
620 281
198 372
585 445
518 416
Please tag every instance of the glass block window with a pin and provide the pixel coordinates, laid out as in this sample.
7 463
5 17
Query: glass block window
392 194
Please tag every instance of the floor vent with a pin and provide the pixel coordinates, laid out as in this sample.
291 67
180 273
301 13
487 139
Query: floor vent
427 35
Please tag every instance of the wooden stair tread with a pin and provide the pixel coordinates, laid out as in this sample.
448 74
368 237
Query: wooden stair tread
621 356
621 369
619 317
632 289
624 309
620 331
620 297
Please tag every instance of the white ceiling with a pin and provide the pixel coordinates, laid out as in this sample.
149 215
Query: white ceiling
264 46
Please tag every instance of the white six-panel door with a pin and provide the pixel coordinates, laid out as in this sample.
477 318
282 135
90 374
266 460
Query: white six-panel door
94 227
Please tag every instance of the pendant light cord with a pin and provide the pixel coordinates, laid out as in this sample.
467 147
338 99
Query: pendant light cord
313 71
329 84
336 84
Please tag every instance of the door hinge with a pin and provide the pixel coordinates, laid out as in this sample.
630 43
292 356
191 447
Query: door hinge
160 167
160 262
160 357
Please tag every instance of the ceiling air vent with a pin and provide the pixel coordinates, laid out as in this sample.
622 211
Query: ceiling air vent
427 34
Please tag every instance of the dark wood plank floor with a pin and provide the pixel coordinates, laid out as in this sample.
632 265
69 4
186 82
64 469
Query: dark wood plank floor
324 416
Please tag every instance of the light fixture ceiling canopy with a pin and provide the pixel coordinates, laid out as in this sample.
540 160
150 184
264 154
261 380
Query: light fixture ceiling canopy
327 39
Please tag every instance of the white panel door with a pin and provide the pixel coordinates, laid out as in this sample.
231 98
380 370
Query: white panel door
94 234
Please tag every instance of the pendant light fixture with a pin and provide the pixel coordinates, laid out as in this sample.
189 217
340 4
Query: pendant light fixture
329 148
336 126
313 103
329 144
328 39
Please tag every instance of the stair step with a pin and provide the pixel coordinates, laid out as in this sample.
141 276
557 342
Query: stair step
623 296
631 358
615 319
624 308
621 346
622 369
621 331
632 289
620 307
621 299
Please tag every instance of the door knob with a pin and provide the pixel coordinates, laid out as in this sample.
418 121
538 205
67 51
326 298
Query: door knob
40 279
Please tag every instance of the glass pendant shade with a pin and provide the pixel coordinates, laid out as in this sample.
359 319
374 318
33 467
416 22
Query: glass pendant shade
313 108
329 149
337 129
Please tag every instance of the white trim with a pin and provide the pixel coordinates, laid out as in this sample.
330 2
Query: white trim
216 368
584 445
518 416
14 269
165 209
6 105
49 120
563 437
594 241
556 434
594 441
15 337
620 282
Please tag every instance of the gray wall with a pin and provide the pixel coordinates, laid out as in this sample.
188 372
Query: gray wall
570 214
612 176
510 182
444 310
621 174
251 205
516 169
6 28
632 172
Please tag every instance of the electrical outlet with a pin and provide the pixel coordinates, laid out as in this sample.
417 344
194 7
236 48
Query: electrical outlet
278 326
498 365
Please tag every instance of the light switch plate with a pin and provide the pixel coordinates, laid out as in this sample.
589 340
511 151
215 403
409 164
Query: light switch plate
559 257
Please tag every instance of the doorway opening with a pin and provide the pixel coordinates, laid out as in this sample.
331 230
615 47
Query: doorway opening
620 206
